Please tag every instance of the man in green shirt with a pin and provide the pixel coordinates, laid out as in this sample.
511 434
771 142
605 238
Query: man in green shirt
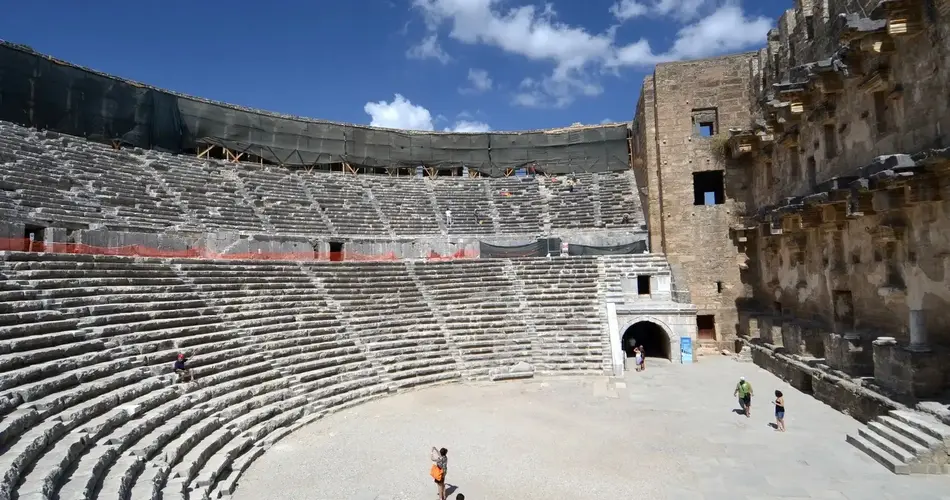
744 391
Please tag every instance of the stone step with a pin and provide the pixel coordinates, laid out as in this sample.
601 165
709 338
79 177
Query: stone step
910 433
907 445
48 473
923 423
884 442
880 455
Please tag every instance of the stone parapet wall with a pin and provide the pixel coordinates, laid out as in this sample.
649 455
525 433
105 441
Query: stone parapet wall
914 374
841 393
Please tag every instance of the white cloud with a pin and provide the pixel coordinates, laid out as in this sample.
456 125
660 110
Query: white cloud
624 10
400 113
683 10
725 30
578 55
480 82
606 121
526 31
555 91
469 126
428 48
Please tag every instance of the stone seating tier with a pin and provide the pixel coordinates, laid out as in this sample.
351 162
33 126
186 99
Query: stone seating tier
88 408
58 180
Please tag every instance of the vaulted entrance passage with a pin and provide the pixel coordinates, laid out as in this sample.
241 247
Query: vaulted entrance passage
650 337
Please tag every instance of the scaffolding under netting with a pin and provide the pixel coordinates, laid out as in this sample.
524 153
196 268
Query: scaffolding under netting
42 92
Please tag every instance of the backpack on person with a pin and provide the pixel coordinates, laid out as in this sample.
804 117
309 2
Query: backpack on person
437 473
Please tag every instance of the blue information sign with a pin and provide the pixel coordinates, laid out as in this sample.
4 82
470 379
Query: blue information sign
686 350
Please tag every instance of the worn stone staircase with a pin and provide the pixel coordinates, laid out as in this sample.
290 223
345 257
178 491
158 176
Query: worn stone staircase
379 209
906 442
493 209
315 207
595 200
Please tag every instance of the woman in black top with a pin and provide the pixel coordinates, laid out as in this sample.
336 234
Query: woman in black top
779 411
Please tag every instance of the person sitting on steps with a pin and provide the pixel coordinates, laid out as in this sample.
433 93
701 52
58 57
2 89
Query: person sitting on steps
182 371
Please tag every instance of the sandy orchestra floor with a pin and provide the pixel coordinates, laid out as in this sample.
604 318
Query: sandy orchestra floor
667 433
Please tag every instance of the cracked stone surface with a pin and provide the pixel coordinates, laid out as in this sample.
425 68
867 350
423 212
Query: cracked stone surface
669 432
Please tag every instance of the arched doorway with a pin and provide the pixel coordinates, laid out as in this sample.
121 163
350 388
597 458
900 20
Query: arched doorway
650 337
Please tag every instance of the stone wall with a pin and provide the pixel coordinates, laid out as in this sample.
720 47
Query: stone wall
646 168
234 243
676 100
887 96
907 373
839 392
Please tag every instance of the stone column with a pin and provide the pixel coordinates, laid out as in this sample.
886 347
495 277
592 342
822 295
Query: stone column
918 332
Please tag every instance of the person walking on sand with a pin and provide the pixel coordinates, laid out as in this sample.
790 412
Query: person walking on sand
779 411
440 466
744 391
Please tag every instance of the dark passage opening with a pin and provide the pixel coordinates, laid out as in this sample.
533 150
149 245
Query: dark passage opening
650 337
709 188
643 285
706 326
34 236
336 251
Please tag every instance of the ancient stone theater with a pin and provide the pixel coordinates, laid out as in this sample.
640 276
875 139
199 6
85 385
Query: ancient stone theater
784 206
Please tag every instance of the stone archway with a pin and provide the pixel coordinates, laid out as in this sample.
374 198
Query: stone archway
650 336
675 323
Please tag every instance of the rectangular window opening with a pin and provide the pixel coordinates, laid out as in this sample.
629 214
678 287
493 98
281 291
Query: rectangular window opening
843 308
831 141
706 326
718 287
336 251
34 236
643 285
709 188
705 122
809 28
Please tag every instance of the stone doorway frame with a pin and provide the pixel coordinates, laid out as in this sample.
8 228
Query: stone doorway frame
676 322
628 323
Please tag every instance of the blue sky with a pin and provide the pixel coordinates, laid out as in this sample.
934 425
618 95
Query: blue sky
420 64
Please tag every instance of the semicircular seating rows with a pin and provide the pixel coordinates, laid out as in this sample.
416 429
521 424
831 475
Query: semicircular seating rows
89 408
55 179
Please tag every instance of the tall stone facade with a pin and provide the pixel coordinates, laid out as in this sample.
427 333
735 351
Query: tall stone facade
693 193
833 139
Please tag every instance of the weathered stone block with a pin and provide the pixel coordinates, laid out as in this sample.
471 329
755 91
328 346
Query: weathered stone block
850 354
908 373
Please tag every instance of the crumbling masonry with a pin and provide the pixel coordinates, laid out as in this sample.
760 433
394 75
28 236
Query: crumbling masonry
801 188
